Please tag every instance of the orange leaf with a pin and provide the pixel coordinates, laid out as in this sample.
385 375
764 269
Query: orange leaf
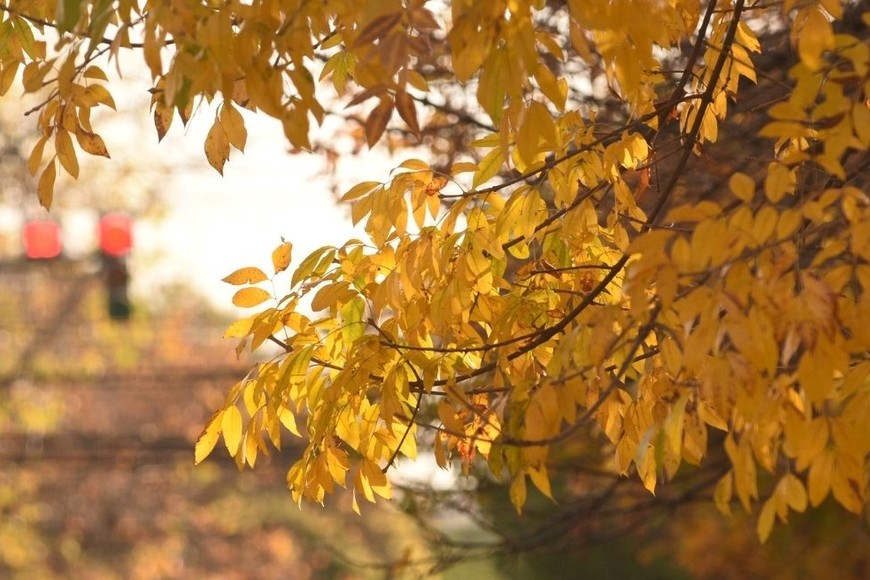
281 256
377 28
407 110
377 121
248 275
251 296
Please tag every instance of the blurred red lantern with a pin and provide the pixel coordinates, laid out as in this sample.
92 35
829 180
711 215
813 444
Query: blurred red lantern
42 240
116 234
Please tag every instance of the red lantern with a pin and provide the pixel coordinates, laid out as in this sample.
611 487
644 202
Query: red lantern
42 240
116 234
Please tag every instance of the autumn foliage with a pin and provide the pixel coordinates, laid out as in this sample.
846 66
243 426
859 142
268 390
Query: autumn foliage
556 269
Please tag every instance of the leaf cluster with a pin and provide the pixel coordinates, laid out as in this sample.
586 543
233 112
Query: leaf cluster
552 274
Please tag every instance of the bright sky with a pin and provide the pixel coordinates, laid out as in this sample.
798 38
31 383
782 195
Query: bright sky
211 224
216 224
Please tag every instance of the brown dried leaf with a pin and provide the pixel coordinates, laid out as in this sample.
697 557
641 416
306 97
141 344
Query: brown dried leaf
377 121
407 110
377 28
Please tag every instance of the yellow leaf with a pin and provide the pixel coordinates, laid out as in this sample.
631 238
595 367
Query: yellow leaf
45 187
35 158
338 464
555 90
363 486
250 449
332 294
234 126
747 38
359 190
709 416
355 504
462 167
281 256
375 479
779 181
815 372
816 36
672 355
8 72
518 492
722 493
414 165
541 480
95 72
217 147
288 419
846 492
208 438
239 328
251 296
742 186
96 93
765 224
409 445
241 347
440 453
765 520
820 477
488 167
65 153
795 494
91 143
248 275
646 469
231 427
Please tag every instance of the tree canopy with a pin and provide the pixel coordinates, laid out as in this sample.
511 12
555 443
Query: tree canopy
639 227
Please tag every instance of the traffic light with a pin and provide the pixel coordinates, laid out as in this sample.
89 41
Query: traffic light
41 240
116 241
116 235
117 280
